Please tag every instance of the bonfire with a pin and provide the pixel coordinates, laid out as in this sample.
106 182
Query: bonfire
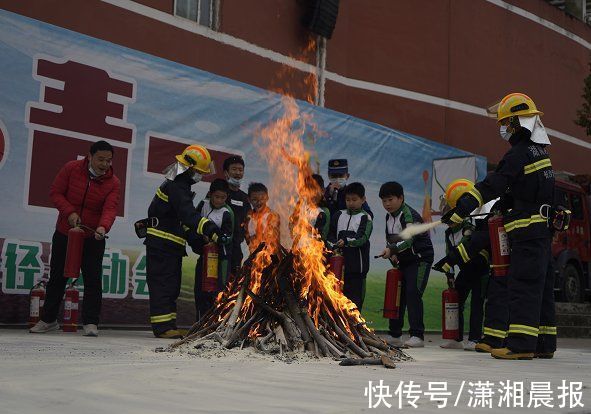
285 298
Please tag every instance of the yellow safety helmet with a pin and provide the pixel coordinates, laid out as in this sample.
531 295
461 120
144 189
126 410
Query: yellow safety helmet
456 189
516 104
196 157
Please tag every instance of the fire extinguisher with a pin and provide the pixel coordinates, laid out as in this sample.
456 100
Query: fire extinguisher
36 301
450 311
71 308
74 253
499 244
392 294
336 264
210 273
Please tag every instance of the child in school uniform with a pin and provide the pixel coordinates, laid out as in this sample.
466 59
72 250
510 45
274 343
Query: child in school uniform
413 257
214 208
350 231
262 224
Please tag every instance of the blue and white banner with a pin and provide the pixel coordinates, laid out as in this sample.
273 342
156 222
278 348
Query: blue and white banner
60 91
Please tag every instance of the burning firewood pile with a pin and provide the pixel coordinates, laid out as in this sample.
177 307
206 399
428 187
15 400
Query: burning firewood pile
262 309
288 300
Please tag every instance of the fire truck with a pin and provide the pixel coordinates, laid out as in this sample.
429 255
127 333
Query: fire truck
571 250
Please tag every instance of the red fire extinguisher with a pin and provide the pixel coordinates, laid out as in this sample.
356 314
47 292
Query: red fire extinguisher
36 301
499 244
71 308
210 273
336 264
450 311
74 253
392 295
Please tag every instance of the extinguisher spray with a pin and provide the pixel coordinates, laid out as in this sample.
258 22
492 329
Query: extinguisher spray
36 301
210 273
450 312
336 264
392 294
499 245
71 308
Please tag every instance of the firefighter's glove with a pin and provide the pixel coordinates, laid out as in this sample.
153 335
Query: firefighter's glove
444 266
451 217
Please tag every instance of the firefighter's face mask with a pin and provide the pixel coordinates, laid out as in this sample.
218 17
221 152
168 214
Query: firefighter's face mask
196 177
505 134
508 127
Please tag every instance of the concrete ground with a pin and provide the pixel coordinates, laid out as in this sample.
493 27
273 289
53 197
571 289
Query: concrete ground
118 372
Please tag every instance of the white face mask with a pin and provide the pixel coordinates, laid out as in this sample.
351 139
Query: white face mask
506 135
234 181
197 177
341 182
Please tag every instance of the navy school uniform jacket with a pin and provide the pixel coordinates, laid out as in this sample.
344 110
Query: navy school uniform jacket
354 227
419 247
224 218
336 202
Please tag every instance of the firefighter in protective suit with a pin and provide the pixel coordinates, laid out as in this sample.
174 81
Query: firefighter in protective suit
496 313
525 172
467 246
172 219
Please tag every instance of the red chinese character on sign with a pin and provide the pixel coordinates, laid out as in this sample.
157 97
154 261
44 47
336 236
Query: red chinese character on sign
79 104
90 101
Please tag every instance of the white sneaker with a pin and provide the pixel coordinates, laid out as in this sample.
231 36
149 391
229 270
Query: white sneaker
90 330
415 342
469 346
42 327
452 344
393 341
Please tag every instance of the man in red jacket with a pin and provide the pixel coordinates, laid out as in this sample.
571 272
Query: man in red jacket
84 192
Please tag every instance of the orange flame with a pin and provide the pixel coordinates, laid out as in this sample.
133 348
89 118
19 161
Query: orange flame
294 196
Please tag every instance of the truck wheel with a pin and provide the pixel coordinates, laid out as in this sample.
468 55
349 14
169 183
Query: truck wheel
571 290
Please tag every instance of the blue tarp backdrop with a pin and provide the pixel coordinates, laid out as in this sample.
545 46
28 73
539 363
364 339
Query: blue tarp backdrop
60 91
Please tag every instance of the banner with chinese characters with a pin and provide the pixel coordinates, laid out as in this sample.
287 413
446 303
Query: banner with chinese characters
61 91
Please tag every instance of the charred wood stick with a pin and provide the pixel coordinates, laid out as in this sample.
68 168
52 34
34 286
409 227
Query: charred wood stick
361 343
377 350
387 362
350 344
319 339
259 301
188 338
364 330
202 321
238 332
316 350
294 311
292 331
332 341
237 307
376 344
336 352
348 362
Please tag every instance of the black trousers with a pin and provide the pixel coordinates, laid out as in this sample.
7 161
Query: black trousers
354 288
163 274
236 259
496 314
92 269
472 281
415 276
532 325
